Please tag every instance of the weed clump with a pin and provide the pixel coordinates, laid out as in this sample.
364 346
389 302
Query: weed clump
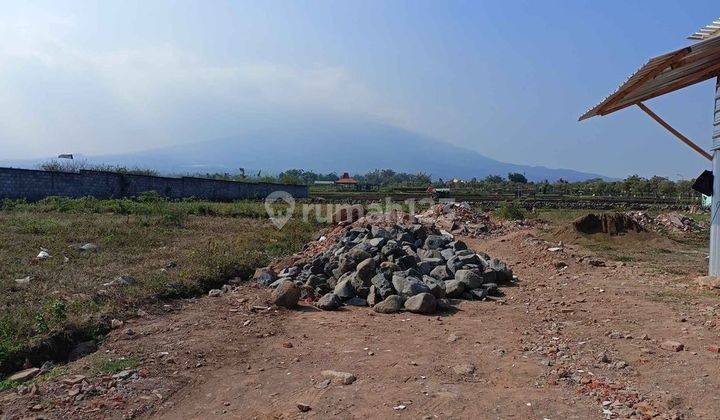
510 211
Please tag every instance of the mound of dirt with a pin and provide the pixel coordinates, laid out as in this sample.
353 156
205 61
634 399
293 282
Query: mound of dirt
609 223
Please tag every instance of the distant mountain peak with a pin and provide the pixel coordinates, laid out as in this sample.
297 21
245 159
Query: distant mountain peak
330 145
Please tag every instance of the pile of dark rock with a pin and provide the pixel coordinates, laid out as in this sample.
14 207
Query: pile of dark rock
414 268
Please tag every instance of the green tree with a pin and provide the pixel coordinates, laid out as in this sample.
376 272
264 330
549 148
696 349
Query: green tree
517 177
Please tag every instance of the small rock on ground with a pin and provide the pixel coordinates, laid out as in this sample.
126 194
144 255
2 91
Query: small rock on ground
344 378
672 345
464 369
24 375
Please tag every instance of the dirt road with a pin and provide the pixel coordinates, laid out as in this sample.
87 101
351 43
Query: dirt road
582 342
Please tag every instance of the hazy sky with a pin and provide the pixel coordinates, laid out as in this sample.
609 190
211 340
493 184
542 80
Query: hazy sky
506 78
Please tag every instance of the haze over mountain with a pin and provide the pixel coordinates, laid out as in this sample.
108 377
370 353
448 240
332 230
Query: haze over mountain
326 144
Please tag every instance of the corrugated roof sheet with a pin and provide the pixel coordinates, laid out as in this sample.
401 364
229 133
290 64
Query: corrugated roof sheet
664 74
708 31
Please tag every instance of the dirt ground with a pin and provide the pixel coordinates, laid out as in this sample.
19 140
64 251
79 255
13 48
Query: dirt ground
580 342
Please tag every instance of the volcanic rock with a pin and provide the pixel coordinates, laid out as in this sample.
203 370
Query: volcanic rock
286 294
390 305
423 303
329 302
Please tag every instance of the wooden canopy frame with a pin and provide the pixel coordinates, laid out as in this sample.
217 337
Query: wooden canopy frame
664 74
668 73
661 75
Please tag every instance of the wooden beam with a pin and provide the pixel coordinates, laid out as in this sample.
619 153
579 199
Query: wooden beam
677 134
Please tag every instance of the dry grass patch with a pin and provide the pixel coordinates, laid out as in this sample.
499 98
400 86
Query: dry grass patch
172 250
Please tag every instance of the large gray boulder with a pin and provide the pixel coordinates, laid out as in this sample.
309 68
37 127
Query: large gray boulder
428 264
399 281
436 242
358 286
447 253
405 237
437 287
366 270
391 248
458 245
328 302
470 278
463 259
356 301
419 232
406 261
409 286
441 273
479 294
382 285
344 289
492 288
358 253
390 305
373 297
264 276
423 303
287 294
345 265
376 242
504 274
454 288
380 232
389 267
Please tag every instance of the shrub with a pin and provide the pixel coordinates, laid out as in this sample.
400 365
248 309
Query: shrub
510 211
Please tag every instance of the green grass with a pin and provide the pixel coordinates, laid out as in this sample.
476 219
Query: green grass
148 204
681 297
105 366
210 242
510 211
8 384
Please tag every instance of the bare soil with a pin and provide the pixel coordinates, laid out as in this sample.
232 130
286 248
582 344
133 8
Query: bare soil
549 349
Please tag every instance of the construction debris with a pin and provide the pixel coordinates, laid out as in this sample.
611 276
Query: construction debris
43 255
673 222
457 218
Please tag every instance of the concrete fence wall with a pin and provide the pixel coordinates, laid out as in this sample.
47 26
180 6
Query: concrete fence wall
34 185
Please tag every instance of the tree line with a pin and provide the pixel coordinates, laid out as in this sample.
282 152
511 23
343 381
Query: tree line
514 182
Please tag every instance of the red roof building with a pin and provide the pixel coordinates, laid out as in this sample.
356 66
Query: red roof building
346 180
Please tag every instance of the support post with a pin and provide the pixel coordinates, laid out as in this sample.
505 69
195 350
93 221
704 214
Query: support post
676 133
714 269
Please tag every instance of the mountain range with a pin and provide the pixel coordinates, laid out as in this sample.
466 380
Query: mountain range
325 145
